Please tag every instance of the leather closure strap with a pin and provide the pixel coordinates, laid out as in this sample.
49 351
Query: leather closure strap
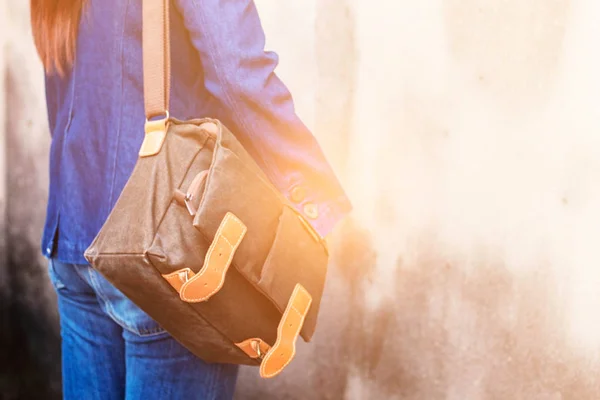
156 132
284 350
211 277
156 57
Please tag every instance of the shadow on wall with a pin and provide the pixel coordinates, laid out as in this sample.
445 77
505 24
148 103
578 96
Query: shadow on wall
29 334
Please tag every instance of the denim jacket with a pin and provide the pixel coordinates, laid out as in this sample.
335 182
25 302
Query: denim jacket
219 69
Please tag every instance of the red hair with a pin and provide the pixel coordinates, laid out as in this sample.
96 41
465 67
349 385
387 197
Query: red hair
54 24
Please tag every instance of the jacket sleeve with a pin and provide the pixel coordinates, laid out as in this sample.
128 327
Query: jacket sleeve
240 75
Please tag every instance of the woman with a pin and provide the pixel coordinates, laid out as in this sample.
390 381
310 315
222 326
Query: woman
92 54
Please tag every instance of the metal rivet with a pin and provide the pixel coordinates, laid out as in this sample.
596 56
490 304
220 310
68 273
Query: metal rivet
298 194
311 211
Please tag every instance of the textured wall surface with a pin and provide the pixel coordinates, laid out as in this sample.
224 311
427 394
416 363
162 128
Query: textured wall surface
466 132
29 332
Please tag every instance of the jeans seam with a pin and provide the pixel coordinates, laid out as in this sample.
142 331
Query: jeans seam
111 312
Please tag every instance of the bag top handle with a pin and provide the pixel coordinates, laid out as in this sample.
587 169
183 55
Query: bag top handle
156 58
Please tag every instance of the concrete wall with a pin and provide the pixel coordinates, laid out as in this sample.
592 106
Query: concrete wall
3 175
29 334
466 133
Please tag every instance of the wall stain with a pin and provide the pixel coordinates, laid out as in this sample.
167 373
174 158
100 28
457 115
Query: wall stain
478 334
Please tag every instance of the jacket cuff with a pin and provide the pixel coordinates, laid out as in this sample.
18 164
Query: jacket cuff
322 215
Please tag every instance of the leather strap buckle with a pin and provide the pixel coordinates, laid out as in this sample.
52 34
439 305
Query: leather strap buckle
255 348
156 132
179 277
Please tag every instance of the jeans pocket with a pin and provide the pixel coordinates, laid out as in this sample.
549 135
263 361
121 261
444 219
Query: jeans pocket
54 278
121 309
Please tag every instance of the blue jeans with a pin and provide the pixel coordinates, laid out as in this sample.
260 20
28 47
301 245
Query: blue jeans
113 350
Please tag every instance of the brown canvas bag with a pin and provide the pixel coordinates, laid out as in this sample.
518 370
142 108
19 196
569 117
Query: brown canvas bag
202 241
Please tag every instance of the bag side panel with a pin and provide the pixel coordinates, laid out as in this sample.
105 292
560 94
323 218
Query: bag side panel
132 224
177 244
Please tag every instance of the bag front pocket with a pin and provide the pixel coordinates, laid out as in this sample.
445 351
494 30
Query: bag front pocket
297 256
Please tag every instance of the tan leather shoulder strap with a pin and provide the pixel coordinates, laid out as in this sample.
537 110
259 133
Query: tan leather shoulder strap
156 57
